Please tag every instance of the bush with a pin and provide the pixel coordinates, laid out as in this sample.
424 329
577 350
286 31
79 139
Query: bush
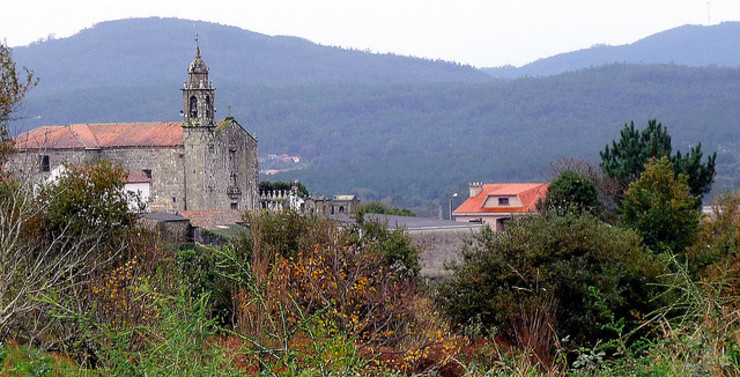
383 209
571 191
356 282
562 256
200 275
62 242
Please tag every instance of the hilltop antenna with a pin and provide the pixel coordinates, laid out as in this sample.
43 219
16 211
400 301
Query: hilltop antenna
709 15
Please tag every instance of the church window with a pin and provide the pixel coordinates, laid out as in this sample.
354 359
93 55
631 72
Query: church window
209 109
193 107
174 200
45 166
234 205
147 173
232 160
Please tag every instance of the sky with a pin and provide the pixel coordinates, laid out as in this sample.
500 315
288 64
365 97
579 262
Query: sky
482 33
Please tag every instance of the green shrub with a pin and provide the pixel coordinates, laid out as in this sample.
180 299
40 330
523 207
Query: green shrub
199 275
562 256
571 191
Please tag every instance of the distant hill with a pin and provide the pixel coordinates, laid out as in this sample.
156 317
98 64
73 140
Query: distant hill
153 51
406 130
414 143
691 45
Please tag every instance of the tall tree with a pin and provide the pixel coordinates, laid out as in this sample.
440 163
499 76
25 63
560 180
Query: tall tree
14 84
661 209
626 159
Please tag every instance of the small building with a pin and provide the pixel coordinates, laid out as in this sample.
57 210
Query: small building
344 204
494 204
215 227
318 204
170 227
136 185
278 200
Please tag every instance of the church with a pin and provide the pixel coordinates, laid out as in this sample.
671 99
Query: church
196 164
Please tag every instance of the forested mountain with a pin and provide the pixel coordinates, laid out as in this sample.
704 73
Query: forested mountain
691 45
152 51
412 138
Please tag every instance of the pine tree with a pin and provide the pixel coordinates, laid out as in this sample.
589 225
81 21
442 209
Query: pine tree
625 160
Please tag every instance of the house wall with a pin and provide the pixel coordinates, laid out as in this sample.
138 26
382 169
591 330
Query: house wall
494 221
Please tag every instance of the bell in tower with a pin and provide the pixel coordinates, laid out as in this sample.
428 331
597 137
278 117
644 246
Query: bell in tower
198 94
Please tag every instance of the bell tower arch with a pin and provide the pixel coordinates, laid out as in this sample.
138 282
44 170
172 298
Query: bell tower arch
198 94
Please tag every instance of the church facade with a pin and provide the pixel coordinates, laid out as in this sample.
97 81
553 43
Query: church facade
196 164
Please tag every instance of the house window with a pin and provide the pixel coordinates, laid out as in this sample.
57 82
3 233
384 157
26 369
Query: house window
503 201
147 173
45 164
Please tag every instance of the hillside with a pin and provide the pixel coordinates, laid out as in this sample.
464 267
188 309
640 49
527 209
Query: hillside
413 143
152 51
409 141
690 45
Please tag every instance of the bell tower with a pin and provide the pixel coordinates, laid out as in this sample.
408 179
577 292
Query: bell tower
198 94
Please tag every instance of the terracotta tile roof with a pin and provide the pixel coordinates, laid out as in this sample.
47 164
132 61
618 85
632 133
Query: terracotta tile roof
106 135
214 218
528 194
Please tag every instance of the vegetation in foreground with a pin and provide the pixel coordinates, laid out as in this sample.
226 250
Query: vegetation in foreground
634 283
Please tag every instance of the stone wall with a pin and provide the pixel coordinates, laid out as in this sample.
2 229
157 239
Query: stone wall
166 167
221 167
438 247
164 163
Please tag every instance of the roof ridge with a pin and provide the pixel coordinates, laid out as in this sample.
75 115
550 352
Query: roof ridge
539 190
79 139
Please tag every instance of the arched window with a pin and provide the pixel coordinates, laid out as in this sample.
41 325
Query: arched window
193 107
209 109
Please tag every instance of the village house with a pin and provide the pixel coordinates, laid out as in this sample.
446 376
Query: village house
494 204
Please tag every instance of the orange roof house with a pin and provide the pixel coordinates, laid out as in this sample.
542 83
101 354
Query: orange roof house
496 203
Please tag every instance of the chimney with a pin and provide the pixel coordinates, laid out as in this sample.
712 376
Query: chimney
475 188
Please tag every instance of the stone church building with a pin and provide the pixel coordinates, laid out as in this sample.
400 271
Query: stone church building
196 164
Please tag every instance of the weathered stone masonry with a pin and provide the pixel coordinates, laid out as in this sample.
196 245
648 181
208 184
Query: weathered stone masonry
198 164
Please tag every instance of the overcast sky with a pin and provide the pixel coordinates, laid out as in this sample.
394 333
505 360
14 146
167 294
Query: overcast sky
477 32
